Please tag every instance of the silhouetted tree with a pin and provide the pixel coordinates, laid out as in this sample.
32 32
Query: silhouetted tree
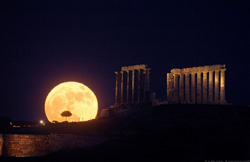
66 114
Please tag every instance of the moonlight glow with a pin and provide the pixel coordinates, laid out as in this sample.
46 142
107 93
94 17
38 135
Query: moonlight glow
74 97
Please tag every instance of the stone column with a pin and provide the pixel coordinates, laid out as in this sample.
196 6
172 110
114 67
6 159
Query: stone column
128 87
193 87
138 85
199 87
204 87
169 86
122 86
187 88
176 88
147 80
118 88
142 85
133 85
147 84
181 83
144 95
222 86
216 84
210 92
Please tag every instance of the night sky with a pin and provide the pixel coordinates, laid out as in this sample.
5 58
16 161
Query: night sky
46 42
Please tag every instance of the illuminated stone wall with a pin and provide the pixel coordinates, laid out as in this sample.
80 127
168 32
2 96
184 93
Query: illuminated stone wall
26 145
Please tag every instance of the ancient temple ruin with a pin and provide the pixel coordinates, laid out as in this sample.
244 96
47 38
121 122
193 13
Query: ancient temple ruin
132 84
202 85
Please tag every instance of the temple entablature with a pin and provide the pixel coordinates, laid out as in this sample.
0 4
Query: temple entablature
199 69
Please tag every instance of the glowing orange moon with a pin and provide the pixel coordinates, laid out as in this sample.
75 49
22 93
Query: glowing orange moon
74 97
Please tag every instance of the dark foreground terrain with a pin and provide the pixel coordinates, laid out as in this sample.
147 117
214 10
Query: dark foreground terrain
163 133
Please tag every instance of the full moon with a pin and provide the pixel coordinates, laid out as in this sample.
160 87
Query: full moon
74 97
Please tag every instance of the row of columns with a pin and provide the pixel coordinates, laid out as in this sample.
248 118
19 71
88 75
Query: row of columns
132 86
198 87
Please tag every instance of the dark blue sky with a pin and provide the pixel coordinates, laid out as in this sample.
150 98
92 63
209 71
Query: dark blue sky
46 42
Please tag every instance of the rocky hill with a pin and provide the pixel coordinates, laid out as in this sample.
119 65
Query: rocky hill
165 133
